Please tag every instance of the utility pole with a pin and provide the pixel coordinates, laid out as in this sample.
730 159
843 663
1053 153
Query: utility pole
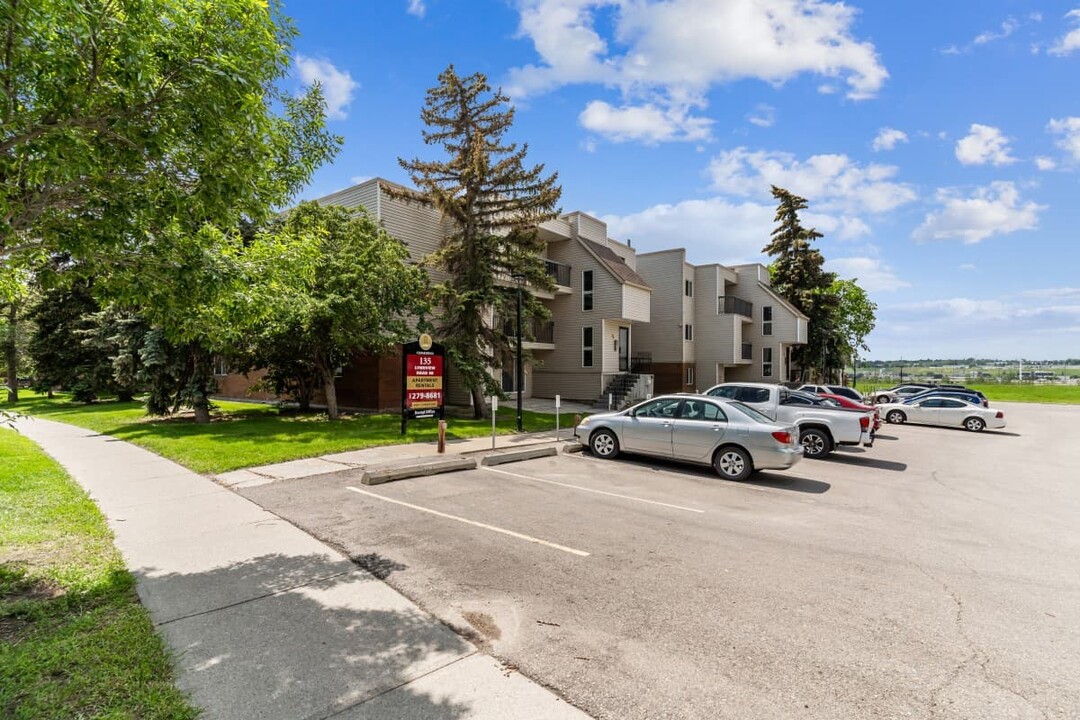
519 380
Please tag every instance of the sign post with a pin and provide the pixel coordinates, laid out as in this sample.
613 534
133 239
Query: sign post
423 364
494 413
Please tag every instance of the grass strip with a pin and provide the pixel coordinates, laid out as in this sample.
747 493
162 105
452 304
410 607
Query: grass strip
248 434
74 640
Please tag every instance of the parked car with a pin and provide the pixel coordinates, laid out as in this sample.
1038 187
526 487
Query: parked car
936 410
970 395
852 405
734 438
897 392
850 393
821 427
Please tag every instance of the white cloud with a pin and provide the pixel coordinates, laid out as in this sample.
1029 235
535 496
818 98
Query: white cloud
695 43
984 144
968 267
646 123
357 179
1045 163
828 182
995 209
1068 131
1007 29
337 85
887 138
841 227
670 53
417 8
872 274
763 116
1070 41
1059 292
712 230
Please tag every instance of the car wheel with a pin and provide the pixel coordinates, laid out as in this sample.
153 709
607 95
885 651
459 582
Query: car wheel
732 463
816 443
974 424
604 444
896 417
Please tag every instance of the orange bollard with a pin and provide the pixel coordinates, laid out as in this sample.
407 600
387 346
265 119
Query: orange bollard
442 436
577 419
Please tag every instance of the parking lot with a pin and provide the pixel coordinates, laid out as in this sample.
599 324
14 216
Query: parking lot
934 575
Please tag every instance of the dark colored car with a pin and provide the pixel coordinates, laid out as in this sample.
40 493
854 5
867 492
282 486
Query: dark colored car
972 396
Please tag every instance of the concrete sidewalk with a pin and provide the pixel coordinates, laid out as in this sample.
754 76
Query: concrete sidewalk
267 622
360 459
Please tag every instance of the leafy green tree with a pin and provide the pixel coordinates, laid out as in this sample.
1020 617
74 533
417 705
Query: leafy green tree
493 204
798 275
119 118
337 284
854 317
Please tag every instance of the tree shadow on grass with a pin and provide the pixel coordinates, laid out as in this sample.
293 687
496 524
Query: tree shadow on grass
296 648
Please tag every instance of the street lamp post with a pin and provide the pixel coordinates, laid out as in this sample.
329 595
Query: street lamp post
519 281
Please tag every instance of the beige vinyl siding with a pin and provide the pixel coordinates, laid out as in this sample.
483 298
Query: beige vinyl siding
636 303
588 227
624 251
787 325
717 337
366 194
662 338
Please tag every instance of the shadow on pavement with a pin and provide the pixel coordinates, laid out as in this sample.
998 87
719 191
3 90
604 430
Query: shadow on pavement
296 648
773 479
859 457
780 481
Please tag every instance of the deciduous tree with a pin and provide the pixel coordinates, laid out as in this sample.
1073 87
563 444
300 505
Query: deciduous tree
493 203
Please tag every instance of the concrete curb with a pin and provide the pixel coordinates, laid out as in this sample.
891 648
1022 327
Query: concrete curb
573 447
376 475
509 456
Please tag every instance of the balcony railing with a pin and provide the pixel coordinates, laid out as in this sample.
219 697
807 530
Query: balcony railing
641 363
731 305
535 331
747 351
558 271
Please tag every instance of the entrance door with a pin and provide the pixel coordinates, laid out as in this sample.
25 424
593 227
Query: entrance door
624 349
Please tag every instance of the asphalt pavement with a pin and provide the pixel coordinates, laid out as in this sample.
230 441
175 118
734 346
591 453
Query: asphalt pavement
267 622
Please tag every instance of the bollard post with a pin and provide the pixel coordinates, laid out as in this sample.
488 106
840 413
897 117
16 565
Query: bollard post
609 401
442 436
577 421
494 415
557 404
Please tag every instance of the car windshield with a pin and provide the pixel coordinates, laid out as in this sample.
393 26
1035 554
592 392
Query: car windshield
750 412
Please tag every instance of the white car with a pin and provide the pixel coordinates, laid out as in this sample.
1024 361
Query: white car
943 411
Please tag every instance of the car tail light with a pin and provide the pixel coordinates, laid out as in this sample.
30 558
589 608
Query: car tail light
1000 415
864 422
782 436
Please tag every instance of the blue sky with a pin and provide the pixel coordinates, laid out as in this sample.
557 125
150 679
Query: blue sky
938 143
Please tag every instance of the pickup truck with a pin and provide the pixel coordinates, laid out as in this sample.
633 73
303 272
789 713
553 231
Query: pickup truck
821 428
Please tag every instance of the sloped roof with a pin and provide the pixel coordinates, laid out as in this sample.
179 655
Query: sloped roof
615 264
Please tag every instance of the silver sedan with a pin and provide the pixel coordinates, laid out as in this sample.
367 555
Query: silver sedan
732 437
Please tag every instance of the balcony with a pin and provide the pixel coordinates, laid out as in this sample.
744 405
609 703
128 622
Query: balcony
731 305
559 273
538 335
747 351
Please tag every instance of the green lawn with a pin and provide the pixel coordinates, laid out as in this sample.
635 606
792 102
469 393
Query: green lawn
74 640
248 434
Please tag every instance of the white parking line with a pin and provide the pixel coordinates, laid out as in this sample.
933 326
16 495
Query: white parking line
592 490
511 533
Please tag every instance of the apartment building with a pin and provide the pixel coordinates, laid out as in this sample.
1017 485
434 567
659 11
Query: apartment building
712 323
582 352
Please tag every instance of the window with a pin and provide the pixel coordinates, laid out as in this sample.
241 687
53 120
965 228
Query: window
662 408
689 288
702 411
688 331
586 347
766 320
220 366
766 362
508 379
753 395
730 392
689 376
586 291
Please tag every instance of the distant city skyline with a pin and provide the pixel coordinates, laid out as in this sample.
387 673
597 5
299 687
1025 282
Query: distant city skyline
937 143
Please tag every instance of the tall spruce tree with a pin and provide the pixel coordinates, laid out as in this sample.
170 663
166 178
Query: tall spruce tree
798 275
493 204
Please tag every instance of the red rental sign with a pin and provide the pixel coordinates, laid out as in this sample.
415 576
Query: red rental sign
422 388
